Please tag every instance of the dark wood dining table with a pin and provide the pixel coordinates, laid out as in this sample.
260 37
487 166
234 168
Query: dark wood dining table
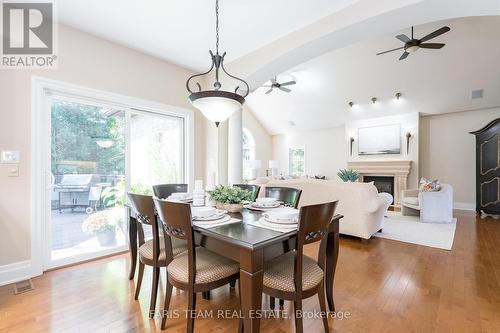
251 246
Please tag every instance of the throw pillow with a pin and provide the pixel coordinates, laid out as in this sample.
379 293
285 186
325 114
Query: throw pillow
427 185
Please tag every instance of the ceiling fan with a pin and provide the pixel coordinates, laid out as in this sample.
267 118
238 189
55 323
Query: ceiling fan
280 86
413 44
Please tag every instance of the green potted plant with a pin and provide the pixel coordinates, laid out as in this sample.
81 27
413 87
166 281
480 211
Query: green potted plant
230 198
348 175
102 226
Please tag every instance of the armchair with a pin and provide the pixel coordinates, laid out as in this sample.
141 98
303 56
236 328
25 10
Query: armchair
432 207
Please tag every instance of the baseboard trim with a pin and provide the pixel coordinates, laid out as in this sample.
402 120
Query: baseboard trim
464 206
15 272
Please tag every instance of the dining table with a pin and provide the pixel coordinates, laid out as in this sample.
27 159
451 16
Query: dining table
251 246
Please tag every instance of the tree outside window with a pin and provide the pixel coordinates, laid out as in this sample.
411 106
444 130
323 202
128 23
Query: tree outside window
297 161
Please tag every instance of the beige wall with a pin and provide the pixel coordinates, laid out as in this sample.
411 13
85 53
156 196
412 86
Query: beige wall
447 150
88 61
325 150
409 123
263 141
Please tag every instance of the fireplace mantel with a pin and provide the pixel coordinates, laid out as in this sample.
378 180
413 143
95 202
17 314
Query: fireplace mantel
397 169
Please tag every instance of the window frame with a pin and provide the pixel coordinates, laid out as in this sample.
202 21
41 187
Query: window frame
296 147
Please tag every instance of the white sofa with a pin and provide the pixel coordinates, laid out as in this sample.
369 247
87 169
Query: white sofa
432 207
360 203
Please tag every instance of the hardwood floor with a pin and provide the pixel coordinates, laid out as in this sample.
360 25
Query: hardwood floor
386 286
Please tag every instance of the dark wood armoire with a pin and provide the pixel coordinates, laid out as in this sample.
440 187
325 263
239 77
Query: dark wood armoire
488 168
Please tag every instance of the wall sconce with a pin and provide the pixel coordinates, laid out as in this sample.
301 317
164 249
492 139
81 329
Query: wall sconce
351 104
408 136
351 141
398 95
374 100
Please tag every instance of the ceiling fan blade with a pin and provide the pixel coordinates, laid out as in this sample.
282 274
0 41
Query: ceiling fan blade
285 89
289 83
403 38
399 48
267 92
267 86
435 33
431 45
404 55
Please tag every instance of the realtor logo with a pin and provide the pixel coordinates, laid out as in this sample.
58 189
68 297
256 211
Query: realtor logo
28 35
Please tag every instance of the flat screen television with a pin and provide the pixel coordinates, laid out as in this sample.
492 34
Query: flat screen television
379 140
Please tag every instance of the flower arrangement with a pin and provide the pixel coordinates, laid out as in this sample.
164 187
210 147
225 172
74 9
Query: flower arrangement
230 198
98 223
348 175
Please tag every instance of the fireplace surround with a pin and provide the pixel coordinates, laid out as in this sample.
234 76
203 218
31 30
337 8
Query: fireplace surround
397 169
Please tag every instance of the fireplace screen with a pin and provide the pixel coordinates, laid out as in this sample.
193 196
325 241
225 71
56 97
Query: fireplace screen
382 183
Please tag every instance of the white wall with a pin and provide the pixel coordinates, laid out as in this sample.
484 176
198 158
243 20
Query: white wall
409 123
91 62
325 150
447 151
263 141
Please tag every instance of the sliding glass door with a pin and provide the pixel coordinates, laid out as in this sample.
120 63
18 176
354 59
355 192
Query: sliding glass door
97 153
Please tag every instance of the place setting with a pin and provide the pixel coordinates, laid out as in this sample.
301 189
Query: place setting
180 197
208 217
264 204
283 219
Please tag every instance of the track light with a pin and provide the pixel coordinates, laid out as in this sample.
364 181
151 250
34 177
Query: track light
351 104
398 95
374 100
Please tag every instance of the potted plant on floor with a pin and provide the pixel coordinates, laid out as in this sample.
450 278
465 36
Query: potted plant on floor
100 225
230 198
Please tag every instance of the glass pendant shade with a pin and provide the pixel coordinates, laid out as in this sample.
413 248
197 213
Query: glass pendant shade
217 106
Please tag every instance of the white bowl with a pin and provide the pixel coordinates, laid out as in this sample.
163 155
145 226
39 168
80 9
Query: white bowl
284 214
266 201
203 211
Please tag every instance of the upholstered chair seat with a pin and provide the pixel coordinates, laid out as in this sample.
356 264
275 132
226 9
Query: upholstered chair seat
146 249
278 273
210 267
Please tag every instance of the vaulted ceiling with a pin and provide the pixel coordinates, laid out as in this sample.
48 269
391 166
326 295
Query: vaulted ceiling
183 31
431 81
328 47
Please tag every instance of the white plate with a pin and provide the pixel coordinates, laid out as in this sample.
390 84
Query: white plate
219 213
284 227
223 218
256 205
276 221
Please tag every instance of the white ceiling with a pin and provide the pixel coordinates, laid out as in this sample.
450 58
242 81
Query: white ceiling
183 31
431 81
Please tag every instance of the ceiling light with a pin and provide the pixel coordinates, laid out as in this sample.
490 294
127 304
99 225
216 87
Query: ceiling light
351 104
398 95
374 100
217 105
412 48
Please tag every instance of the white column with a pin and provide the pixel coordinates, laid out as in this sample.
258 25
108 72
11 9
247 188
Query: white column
234 148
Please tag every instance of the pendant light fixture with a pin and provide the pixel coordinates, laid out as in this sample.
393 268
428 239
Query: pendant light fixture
217 105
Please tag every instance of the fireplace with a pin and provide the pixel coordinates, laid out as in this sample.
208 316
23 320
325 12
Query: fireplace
398 170
382 183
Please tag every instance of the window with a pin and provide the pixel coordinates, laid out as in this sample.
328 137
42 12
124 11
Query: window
248 153
297 161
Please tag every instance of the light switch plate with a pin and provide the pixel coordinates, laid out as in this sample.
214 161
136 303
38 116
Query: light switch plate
9 156
14 171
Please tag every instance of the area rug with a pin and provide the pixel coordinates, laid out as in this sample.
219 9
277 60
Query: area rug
409 229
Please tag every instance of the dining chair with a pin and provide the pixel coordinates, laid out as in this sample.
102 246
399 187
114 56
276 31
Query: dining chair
294 276
152 252
197 269
290 196
254 189
163 191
